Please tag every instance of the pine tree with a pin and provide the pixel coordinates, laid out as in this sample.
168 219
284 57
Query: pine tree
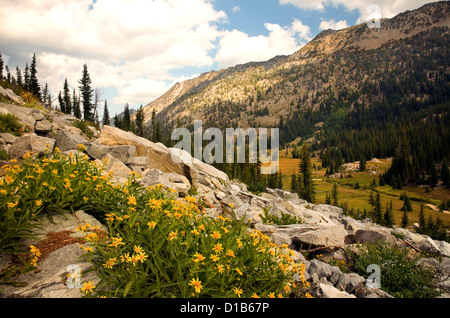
76 105
378 215
126 121
280 182
405 220
8 74
362 164
407 203
308 192
62 105
34 84
2 64
86 94
334 195
45 95
106 120
26 79
66 97
157 135
445 174
294 183
140 122
19 77
388 217
422 222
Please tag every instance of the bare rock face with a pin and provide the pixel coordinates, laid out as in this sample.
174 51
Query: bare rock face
30 142
61 256
161 157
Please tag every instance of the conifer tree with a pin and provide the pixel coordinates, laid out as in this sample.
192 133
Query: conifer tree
294 183
19 80
405 219
2 64
334 195
106 120
86 94
62 105
140 122
407 203
388 217
308 192
422 221
34 84
126 122
66 97
26 80
445 174
76 105
378 216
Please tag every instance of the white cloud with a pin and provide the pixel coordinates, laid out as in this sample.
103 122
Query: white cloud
129 44
331 24
236 9
389 8
236 47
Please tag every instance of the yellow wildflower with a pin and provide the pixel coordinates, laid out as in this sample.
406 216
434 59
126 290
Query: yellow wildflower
230 253
220 268
151 225
215 258
238 291
197 284
12 204
132 200
255 295
110 263
172 235
218 248
116 242
88 287
198 257
216 235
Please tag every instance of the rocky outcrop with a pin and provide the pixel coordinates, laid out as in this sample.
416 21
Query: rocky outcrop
323 228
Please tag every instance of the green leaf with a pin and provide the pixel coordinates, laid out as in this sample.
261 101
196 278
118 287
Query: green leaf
127 288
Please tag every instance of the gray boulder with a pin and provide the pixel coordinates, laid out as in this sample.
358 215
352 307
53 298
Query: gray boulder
68 141
42 127
30 142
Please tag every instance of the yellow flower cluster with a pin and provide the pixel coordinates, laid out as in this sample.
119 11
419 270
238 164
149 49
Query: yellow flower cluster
35 254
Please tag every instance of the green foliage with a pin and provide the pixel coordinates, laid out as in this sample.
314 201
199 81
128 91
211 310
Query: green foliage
400 275
10 124
162 247
158 245
83 125
282 219
257 188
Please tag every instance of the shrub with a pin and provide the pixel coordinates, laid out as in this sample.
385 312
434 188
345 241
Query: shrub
31 101
46 185
162 246
400 275
283 219
10 123
83 125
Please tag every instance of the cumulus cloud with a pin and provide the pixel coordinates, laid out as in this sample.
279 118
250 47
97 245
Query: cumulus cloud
389 8
236 47
331 24
129 44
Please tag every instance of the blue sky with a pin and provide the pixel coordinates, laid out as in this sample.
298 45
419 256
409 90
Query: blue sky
137 49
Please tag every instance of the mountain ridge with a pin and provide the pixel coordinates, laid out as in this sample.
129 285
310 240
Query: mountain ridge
182 100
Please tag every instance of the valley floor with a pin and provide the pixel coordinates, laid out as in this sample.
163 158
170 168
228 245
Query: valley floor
359 198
